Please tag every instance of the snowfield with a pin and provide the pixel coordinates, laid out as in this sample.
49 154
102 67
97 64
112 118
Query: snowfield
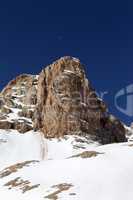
72 168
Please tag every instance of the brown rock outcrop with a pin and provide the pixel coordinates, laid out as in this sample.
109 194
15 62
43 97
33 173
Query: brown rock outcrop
67 104
112 130
22 126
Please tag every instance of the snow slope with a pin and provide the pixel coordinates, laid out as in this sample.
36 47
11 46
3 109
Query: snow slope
49 169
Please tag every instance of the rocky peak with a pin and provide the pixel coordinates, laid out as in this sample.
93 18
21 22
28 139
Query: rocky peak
60 101
67 104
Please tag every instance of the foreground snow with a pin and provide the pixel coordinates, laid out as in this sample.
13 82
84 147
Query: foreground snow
52 170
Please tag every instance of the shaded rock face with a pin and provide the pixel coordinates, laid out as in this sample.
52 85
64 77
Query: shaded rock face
67 104
111 130
5 124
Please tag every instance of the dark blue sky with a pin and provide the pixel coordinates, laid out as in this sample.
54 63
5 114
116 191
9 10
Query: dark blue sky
100 33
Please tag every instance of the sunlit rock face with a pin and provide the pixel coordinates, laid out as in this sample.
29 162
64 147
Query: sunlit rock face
67 104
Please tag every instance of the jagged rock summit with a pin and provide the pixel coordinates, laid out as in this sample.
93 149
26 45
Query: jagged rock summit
60 101
66 102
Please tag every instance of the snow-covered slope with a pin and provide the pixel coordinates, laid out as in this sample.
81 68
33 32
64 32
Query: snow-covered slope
34 168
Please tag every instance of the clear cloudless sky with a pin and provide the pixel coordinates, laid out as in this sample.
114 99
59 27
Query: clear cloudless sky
99 32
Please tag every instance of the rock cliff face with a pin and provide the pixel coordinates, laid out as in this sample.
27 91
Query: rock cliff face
60 101
67 104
